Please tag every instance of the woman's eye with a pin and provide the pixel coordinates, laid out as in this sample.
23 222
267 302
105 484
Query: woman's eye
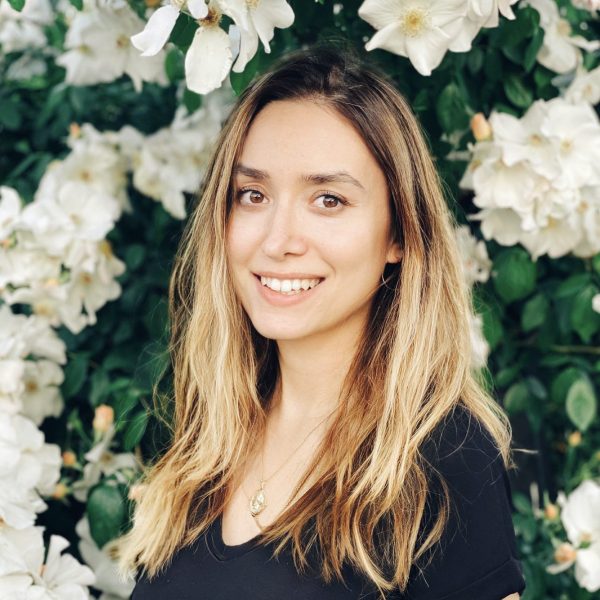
250 196
330 201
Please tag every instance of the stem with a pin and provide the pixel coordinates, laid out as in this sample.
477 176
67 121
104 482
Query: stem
576 349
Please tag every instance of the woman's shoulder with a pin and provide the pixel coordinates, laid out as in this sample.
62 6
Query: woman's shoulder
477 555
462 449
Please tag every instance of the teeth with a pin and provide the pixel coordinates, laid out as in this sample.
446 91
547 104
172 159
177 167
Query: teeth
289 286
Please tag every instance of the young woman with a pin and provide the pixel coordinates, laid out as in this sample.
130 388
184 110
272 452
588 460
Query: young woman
330 439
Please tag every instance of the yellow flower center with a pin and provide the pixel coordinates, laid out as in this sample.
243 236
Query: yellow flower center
413 21
252 4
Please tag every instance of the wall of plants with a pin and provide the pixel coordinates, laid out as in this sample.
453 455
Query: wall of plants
108 112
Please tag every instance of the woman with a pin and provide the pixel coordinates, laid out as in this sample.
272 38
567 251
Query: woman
330 440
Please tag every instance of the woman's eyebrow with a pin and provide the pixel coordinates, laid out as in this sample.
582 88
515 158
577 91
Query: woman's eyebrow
320 178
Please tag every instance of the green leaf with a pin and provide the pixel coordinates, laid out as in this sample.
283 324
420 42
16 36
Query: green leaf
17 4
516 398
514 274
75 375
174 65
522 503
596 263
561 384
492 324
99 387
191 100
534 312
240 81
107 512
135 430
517 92
78 4
532 50
183 32
451 109
10 117
134 256
572 285
581 403
584 319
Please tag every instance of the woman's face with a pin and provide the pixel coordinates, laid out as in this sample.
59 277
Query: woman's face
309 231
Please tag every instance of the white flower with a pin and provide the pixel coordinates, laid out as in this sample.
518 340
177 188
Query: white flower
24 335
173 160
41 397
99 49
560 51
537 182
480 349
25 29
103 563
158 29
475 260
102 461
591 5
480 13
28 466
585 87
10 210
596 303
94 161
78 213
580 516
418 29
60 577
256 19
209 57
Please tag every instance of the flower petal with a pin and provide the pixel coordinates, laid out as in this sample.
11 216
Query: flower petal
208 60
157 31
197 8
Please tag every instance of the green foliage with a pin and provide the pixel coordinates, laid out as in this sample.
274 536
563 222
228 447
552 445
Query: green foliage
543 334
107 512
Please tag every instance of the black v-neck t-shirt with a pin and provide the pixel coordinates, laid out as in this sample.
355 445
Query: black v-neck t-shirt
476 558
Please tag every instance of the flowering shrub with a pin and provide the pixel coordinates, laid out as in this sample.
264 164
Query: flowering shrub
108 112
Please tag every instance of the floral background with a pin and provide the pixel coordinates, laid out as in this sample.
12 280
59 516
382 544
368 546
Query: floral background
108 112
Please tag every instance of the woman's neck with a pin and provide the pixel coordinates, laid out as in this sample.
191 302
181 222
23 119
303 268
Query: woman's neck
312 373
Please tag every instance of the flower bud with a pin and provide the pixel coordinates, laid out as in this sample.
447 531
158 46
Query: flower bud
565 553
104 417
69 458
574 439
551 511
74 130
60 491
481 128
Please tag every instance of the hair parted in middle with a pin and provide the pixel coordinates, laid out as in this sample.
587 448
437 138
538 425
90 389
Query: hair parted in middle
412 366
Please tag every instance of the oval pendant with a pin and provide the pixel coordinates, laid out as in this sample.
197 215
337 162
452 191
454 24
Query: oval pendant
258 502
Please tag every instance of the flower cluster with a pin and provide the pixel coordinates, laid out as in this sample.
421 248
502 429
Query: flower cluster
560 51
30 357
476 266
55 257
537 180
211 54
424 31
580 516
98 48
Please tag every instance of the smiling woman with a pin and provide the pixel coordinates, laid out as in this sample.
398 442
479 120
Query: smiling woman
330 438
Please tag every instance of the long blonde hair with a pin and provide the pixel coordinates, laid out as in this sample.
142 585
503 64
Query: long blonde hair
411 369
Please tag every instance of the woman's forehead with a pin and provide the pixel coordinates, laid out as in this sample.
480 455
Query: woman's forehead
308 139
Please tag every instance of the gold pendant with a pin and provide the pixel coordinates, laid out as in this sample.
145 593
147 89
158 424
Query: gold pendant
258 501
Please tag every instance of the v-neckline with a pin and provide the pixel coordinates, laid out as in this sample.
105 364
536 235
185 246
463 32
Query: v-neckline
224 551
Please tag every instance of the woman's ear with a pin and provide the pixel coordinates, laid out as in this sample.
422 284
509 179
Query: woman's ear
394 254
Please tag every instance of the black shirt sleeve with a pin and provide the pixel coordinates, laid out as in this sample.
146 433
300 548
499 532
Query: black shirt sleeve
477 556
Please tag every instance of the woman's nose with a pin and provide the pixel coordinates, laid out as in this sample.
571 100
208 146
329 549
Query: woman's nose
284 233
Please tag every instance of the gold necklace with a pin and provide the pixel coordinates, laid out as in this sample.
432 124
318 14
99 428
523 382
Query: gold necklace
258 500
